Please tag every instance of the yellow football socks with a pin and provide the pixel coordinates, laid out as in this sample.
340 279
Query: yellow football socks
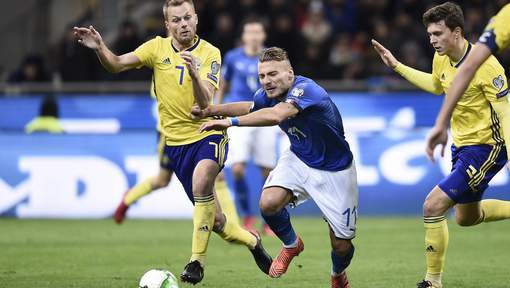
436 244
138 191
226 203
494 210
232 232
203 221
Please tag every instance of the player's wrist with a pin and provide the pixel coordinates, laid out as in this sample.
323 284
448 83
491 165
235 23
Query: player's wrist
234 121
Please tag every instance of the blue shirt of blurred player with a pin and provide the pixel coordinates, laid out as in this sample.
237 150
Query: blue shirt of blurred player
316 133
240 65
240 71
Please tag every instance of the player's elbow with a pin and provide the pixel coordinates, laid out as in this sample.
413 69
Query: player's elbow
203 105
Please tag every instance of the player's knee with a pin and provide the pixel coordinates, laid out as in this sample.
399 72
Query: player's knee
238 171
268 205
465 221
341 247
219 222
431 208
160 183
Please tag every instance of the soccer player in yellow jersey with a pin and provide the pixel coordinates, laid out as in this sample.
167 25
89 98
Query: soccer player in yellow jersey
495 37
478 150
186 70
162 179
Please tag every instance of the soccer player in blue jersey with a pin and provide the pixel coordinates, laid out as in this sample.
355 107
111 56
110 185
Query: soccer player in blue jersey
478 125
319 164
240 80
186 72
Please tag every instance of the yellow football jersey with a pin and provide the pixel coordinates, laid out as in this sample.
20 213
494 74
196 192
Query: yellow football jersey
473 120
497 32
173 87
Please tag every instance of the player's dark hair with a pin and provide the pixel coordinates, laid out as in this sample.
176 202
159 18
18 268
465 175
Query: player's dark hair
174 3
273 54
450 12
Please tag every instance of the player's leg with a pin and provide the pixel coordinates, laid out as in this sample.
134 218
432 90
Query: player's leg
204 212
230 231
140 190
341 255
265 227
473 168
225 199
336 195
265 156
148 185
435 207
272 206
240 144
283 186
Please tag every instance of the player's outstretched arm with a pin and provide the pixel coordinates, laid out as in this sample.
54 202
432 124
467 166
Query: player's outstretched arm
90 38
263 117
227 110
420 79
385 54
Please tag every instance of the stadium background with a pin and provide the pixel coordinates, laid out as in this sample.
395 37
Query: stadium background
110 143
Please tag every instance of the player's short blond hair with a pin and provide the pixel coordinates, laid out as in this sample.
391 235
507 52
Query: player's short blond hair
274 54
175 3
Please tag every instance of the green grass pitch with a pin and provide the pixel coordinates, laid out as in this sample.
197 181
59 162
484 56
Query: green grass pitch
389 253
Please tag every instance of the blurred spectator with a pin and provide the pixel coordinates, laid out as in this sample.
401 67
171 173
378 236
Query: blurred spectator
47 121
127 41
127 38
341 55
224 35
283 34
316 29
336 31
32 70
75 62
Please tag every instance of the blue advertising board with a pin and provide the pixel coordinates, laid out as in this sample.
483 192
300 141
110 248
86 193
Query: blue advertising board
85 175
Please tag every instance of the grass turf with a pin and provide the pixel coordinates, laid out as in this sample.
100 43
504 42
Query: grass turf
389 253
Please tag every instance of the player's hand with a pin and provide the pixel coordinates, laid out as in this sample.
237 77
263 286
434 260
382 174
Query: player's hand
197 113
88 37
215 125
191 63
385 54
437 136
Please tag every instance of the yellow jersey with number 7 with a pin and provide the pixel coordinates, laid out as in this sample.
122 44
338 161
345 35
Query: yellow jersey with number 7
173 87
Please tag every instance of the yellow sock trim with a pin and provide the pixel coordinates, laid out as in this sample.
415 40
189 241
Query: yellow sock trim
138 191
495 210
203 221
226 203
232 232
436 244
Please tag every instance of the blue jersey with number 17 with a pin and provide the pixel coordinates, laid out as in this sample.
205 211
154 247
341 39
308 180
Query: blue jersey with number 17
316 133
241 71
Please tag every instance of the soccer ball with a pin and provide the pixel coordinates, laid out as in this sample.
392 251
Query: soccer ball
158 278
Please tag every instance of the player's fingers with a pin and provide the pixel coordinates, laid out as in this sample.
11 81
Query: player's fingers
442 150
429 151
